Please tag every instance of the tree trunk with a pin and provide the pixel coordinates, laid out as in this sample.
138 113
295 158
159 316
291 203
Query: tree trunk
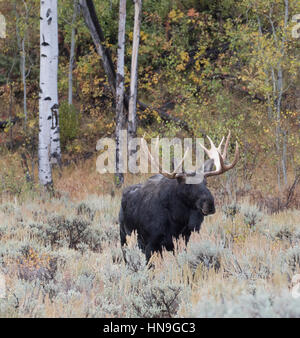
94 27
284 141
72 53
23 70
120 116
55 150
10 116
278 90
22 51
48 106
132 121
91 20
278 127
284 157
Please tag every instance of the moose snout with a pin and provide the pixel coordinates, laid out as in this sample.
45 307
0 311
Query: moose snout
208 209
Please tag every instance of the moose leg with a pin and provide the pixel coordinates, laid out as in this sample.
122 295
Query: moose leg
122 236
154 245
123 241
195 220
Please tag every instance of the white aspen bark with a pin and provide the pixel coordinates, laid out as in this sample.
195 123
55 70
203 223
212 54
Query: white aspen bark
132 120
48 87
72 54
120 117
52 20
92 23
277 103
277 97
278 120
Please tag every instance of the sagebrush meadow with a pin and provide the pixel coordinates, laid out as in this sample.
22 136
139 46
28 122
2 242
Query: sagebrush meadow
63 259
213 88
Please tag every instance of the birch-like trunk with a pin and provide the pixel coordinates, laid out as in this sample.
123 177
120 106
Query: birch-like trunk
93 24
72 53
278 90
55 150
281 160
132 119
120 116
48 102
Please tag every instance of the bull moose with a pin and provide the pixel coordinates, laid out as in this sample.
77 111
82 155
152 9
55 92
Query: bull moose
165 207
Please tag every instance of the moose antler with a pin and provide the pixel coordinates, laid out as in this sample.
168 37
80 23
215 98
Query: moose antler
165 173
214 153
219 158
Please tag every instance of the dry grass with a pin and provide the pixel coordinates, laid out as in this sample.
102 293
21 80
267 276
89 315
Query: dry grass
56 280
61 256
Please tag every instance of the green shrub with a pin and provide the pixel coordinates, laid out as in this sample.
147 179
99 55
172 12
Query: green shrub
69 122
203 253
74 232
13 183
84 209
230 210
252 215
261 304
291 259
283 232
256 264
135 259
159 300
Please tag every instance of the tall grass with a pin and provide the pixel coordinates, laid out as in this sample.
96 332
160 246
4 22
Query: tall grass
62 258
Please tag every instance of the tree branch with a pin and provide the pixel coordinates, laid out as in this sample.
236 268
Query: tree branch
92 22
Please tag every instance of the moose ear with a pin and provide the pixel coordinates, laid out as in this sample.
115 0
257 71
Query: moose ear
208 165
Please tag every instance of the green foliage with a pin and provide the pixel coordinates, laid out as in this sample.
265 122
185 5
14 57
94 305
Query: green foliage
69 123
208 58
6 62
14 184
